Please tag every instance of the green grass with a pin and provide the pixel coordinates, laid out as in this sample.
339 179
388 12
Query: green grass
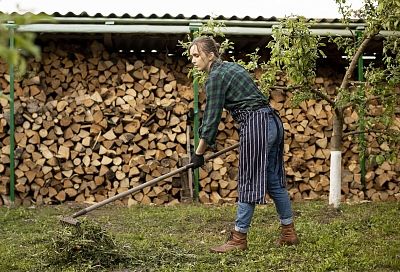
362 237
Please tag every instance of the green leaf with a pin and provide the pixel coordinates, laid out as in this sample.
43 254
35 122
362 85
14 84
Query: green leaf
380 159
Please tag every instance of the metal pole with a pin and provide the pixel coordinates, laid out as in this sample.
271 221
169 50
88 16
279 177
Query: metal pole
11 29
193 28
196 132
361 119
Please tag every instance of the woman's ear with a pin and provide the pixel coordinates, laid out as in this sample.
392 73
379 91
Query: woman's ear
211 56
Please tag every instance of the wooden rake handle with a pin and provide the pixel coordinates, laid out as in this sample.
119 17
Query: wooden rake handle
149 183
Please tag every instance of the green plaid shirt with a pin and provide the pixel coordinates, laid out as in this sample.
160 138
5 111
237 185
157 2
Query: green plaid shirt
228 86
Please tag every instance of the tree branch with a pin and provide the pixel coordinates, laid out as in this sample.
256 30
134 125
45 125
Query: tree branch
386 131
372 98
315 91
353 63
325 97
284 88
350 70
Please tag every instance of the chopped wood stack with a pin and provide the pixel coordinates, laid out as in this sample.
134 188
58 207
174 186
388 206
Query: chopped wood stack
91 125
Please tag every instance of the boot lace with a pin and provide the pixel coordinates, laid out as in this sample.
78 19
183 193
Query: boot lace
230 237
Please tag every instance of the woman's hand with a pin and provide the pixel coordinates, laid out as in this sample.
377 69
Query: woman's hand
197 160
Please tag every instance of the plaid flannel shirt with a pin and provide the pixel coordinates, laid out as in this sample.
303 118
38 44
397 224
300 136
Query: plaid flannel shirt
228 86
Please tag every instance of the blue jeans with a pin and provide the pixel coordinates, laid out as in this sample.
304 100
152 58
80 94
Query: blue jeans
245 213
276 190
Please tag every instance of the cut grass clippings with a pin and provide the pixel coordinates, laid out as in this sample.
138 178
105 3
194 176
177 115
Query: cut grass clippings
87 245
359 237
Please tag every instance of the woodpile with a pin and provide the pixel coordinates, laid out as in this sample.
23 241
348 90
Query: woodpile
91 125
88 128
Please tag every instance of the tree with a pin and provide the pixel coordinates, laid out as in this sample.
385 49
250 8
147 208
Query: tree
294 51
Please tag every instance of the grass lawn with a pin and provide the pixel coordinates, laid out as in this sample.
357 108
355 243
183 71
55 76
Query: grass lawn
359 237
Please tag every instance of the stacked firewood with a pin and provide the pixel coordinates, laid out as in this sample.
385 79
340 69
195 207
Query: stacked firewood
92 125
88 128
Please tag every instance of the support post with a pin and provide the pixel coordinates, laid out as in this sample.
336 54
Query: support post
362 113
193 28
11 31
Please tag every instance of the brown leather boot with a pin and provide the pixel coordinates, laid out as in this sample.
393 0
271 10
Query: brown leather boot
288 236
236 240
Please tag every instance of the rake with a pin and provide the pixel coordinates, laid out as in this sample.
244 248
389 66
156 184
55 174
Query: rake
71 220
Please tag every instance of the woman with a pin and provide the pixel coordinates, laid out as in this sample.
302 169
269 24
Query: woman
261 169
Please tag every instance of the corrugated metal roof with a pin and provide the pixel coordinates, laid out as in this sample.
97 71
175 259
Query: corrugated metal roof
224 9
136 31
137 25
167 16
160 32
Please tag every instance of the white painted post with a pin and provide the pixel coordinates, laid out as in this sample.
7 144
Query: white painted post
335 178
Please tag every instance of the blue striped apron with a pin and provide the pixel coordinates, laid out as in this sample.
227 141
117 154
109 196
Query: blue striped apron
254 150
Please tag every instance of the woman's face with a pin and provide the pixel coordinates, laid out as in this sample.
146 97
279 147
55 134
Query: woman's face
200 60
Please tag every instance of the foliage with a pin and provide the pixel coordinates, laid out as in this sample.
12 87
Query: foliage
295 50
177 238
382 80
24 42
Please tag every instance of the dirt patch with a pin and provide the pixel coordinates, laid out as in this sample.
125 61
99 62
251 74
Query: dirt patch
327 214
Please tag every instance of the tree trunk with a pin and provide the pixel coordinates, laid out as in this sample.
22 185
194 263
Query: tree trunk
336 160
336 141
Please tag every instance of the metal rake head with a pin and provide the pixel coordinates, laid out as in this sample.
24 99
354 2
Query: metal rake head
69 221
